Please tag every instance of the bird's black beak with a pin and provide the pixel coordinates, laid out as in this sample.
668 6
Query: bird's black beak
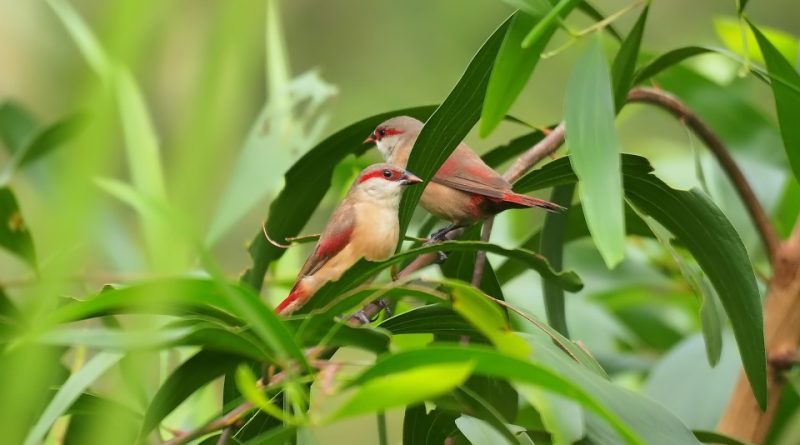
370 139
411 179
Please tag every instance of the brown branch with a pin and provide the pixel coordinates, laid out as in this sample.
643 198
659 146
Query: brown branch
670 103
544 148
743 418
228 420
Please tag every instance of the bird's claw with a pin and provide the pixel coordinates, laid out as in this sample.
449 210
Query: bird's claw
384 304
438 236
362 317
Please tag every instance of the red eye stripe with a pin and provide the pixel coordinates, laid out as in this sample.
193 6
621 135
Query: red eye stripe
379 174
381 133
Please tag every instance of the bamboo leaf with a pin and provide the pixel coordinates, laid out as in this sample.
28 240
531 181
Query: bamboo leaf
787 98
625 62
14 234
705 231
595 152
75 385
551 246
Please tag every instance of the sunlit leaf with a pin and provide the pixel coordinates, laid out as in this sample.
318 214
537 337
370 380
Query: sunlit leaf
491 363
786 89
625 61
732 32
246 382
690 216
14 234
479 432
75 385
404 387
549 22
595 152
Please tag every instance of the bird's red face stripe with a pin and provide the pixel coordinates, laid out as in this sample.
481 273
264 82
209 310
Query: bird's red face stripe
394 175
382 132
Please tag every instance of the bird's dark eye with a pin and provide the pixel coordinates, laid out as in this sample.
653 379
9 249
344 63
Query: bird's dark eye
382 132
387 173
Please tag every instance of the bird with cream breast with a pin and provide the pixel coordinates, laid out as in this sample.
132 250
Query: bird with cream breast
364 225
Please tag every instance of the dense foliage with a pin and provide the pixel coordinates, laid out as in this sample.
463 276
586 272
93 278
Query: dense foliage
651 292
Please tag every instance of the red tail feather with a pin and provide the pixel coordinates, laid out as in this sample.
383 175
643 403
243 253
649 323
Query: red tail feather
526 201
286 306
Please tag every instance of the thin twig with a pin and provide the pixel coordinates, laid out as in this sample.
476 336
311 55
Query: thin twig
544 148
670 103
480 257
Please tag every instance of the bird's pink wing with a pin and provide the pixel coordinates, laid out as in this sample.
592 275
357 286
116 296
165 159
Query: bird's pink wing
467 172
334 238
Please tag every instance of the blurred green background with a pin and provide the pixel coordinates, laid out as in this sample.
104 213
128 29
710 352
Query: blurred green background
205 73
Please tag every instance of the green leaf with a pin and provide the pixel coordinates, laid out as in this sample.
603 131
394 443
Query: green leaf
491 363
98 420
498 155
51 137
741 5
436 319
364 269
547 25
737 37
479 432
17 126
551 246
421 428
193 374
75 385
404 387
293 206
705 231
512 69
595 152
625 62
14 234
451 121
713 436
666 60
276 436
87 43
535 8
487 317
787 98
247 383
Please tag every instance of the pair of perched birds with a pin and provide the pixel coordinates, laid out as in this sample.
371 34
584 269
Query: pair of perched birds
365 225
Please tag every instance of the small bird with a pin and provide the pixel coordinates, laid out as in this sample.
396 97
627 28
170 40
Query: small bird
365 225
464 190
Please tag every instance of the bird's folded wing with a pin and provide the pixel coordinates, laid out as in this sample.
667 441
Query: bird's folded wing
335 238
469 185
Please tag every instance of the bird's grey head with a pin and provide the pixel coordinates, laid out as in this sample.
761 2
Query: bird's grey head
389 135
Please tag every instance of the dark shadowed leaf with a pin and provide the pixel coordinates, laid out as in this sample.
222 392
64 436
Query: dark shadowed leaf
551 246
422 428
667 60
17 126
625 62
786 89
14 234
276 436
363 270
193 374
496 156
595 151
294 205
451 122
512 69
714 437
437 319
705 231
50 138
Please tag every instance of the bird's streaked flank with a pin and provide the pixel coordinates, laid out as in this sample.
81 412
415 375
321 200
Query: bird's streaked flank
365 225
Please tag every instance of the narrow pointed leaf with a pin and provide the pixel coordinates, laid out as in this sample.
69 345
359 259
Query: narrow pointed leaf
512 69
451 122
364 270
705 231
787 98
69 392
548 24
552 247
595 152
666 61
625 62
14 234
193 374
17 126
